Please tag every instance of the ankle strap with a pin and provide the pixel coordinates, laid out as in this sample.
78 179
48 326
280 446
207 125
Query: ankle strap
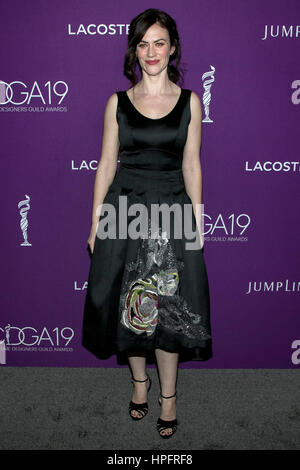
140 380
171 396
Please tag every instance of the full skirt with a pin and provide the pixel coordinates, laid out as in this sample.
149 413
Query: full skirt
152 291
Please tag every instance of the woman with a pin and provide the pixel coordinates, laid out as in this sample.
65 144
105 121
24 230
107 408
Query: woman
149 294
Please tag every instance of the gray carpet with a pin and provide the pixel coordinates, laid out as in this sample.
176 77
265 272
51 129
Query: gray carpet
87 408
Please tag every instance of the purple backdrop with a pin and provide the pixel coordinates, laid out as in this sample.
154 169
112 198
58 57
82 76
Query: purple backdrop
60 61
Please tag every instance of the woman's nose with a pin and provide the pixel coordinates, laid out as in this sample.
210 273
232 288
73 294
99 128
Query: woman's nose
150 51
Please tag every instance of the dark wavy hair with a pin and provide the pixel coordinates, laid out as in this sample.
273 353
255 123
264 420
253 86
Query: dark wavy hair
137 30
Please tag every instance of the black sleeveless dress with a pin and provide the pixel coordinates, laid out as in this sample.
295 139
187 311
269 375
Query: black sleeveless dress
150 292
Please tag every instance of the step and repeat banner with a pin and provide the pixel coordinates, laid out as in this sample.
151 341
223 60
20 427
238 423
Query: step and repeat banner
60 62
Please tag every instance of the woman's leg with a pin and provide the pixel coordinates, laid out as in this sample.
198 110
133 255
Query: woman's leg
168 368
137 361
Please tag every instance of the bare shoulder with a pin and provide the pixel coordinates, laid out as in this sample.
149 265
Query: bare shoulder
110 139
196 107
111 106
112 101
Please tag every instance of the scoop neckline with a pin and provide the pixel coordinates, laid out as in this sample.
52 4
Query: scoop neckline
155 119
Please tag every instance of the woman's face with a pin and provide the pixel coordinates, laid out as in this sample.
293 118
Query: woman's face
154 46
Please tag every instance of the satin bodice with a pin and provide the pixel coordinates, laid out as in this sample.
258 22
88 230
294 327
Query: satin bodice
152 144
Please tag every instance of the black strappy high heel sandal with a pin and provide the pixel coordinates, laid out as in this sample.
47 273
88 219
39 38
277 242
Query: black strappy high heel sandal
141 408
162 424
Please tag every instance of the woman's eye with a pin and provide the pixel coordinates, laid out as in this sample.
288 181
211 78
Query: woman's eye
158 44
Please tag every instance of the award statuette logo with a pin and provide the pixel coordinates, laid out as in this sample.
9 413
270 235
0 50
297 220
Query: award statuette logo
207 95
25 206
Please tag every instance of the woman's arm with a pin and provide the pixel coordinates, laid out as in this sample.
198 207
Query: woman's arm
191 165
109 157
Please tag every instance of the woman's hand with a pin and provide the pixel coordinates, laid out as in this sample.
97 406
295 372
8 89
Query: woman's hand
201 240
200 236
92 237
198 216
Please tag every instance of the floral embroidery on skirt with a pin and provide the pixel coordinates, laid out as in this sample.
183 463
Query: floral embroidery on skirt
139 301
149 293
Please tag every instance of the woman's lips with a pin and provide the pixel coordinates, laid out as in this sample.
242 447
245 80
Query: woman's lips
152 62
